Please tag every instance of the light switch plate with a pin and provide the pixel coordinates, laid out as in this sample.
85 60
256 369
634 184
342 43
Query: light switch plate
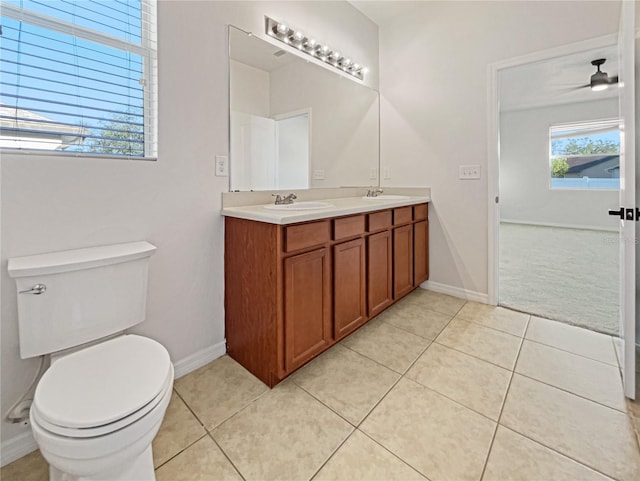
222 166
469 172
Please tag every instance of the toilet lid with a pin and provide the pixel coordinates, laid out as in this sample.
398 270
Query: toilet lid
103 383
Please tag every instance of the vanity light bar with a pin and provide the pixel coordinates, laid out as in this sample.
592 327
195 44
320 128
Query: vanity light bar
295 38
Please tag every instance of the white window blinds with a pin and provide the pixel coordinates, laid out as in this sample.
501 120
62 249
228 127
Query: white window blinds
79 76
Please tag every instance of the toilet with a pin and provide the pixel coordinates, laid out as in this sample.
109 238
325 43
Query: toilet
98 407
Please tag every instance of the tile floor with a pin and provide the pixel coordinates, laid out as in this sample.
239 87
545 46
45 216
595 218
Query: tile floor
433 389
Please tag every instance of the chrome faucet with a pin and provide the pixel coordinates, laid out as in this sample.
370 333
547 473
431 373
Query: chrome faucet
374 192
280 200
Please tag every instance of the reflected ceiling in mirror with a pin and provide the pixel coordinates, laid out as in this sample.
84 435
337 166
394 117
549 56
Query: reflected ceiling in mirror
295 124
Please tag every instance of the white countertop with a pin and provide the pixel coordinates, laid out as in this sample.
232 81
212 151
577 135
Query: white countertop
340 207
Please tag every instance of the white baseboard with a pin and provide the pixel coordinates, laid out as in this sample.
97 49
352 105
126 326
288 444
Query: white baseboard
16 447
23 444
456 292
199 359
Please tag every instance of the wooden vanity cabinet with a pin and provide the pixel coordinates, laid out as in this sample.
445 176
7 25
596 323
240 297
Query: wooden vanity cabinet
379 272
420 244
402 261
349 287
307 307
292 291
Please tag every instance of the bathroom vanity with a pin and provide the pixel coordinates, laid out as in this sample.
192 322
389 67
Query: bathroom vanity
298 282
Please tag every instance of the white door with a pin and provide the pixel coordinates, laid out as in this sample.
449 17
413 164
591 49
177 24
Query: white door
628 212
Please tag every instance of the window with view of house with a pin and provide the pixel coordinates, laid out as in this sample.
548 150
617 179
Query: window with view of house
585 155
78 76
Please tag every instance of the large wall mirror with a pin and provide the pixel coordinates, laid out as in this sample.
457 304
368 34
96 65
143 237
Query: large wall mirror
295 124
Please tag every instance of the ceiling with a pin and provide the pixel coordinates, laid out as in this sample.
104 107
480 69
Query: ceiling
548 82
556 81
384 12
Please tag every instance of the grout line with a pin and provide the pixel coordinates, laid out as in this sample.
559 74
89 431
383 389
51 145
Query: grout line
469 321
324 463
475 356
189 408
504 402
226 456
181 451
577 354
558 452
570 392
393 454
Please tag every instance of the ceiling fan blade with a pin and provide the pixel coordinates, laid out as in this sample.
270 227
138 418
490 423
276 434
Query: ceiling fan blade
571 89
613 80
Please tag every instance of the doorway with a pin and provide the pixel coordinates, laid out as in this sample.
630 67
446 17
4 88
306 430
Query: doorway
559 161
525 211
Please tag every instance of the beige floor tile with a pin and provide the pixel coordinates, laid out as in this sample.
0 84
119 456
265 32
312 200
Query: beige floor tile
201 462
384 343
516 458
476 384
592 434
496 317
573 339
585 377
32 467
434 301
346 381
416 319
494 346
438 437
179 429
360 458
218 390
284 435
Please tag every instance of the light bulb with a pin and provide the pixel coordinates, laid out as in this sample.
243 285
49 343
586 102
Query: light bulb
282 29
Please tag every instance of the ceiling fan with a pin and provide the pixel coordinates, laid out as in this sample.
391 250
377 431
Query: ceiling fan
600 80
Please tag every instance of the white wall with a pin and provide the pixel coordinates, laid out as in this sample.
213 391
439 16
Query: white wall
56 203
249 92
344 122
525 195
433 84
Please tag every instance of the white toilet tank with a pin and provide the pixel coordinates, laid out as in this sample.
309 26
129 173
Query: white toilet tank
88 294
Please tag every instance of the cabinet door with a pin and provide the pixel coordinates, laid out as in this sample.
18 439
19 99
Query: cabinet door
402 261
349 302
420 252
307 307
379 275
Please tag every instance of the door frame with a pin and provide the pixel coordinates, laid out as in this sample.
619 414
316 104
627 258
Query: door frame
493 143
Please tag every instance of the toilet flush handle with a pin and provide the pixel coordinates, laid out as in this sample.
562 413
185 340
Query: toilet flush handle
37 290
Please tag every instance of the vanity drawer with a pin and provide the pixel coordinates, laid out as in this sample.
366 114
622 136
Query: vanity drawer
402 215
348 227
420 211
379 220
301 236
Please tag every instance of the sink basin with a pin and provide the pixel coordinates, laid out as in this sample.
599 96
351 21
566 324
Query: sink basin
387 197
310 205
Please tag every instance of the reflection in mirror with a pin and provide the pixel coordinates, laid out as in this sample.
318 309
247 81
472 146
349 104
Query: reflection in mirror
296 125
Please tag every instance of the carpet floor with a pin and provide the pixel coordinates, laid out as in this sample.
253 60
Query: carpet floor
570 275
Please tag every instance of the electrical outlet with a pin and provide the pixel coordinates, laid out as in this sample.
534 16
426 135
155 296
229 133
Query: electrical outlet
373 174
469 172
387 173
318 174
222 166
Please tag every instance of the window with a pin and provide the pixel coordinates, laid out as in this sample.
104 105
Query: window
78 76
585 155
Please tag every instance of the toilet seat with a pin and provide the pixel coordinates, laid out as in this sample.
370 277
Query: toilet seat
103 388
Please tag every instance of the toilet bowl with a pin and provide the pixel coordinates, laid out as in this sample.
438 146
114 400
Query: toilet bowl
98 407
96 411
